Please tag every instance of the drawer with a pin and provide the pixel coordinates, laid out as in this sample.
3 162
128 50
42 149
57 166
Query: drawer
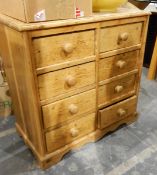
117 65
61 48
117 112
69 108
116 37
116 90
62 81
60 137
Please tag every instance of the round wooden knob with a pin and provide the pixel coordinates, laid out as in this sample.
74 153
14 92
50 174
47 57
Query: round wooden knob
68 48
123 36
121 64
73 109
119 89
74 132
70 80
121 112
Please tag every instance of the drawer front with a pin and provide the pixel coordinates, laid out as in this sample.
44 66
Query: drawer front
60 137
117 65
61 48
116 37
69 108
116 90
59 82
117 112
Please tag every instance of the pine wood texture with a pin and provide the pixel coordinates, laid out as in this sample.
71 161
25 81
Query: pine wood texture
57 138
69 108
74 80
118 64
122 36
153 64
117 112
62 48
21 69
116 90
62 81
9 69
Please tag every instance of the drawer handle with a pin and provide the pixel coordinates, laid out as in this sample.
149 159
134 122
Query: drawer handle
121 64
68 48
123 37
74 132
119 89
121 112
70 80
73 109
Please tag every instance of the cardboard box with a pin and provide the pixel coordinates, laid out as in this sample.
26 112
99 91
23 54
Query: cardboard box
5 100
85 7
44 10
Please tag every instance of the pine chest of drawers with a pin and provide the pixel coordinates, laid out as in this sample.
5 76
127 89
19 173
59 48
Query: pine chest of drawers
72 81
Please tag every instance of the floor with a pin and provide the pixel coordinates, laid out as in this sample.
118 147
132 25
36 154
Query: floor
131 150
